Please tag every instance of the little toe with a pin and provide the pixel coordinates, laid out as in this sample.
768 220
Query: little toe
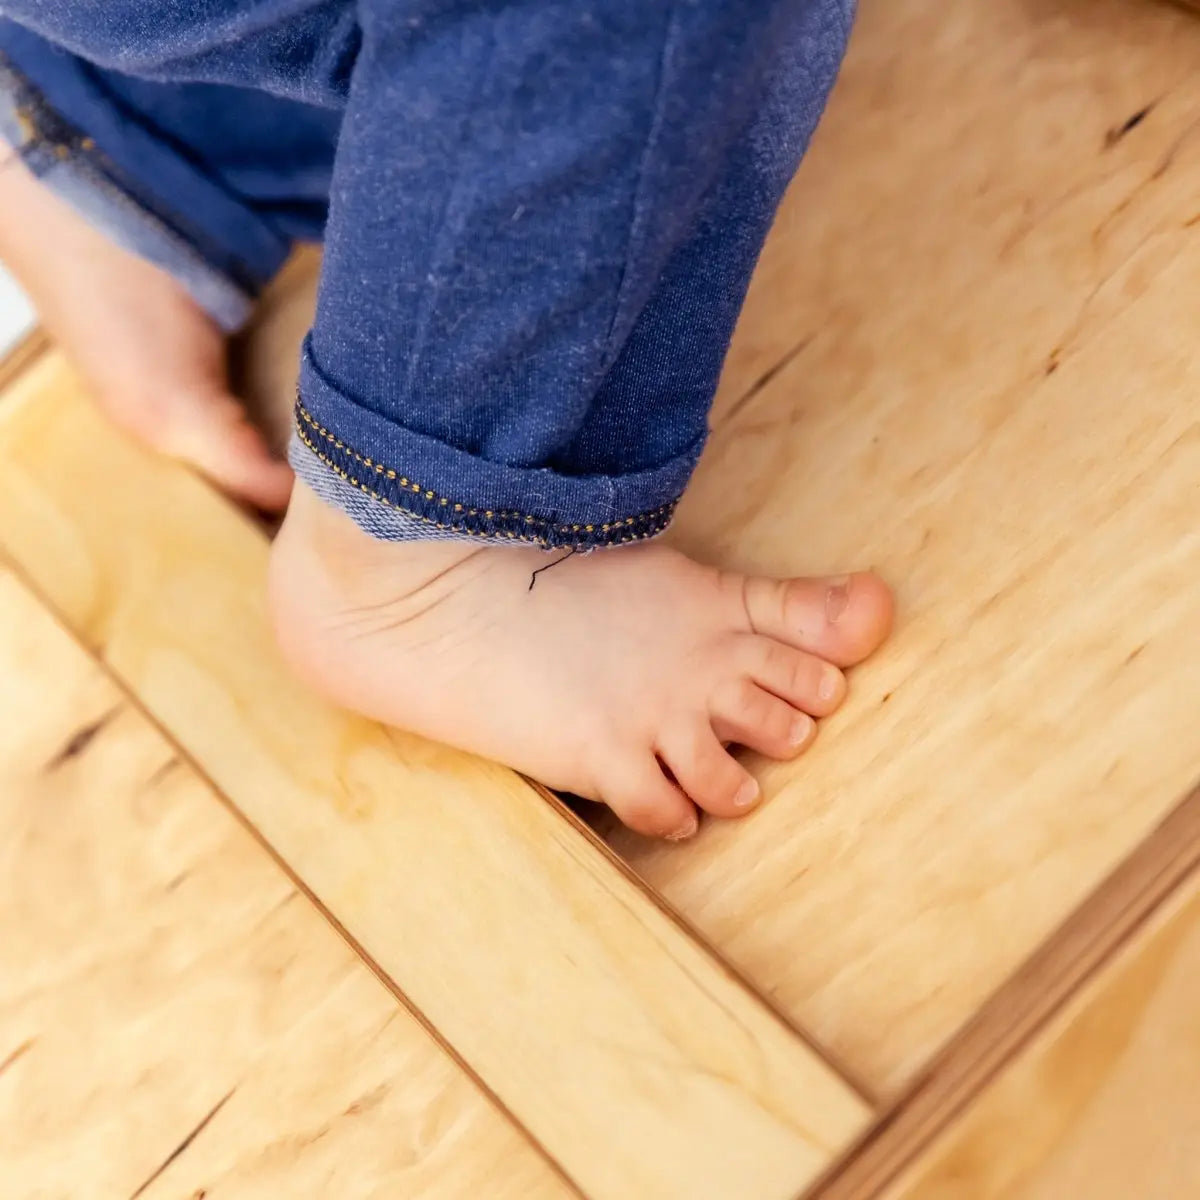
707 772
648 802
804 680
842 619
744 713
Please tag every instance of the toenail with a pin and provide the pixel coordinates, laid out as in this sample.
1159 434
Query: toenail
802 728
836 598
831 680
686 830
746 795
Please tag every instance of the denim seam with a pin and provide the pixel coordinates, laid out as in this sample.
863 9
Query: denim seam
637 215
482 522
438 241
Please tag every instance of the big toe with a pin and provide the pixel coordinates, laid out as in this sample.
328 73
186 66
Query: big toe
215 436
843 619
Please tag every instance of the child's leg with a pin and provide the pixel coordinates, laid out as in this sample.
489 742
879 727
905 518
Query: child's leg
541 231
147 236
543 220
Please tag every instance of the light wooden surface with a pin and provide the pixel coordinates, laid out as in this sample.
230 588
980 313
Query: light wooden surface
992 400
1017 1019
175 1018
1104 1103
967 359
577 1000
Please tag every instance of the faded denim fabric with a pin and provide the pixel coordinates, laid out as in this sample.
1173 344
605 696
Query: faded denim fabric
542 219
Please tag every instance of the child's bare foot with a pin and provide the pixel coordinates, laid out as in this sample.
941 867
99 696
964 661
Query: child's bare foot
613 667
152 357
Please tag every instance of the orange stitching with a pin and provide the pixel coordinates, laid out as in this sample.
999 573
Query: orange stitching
489 514
541 541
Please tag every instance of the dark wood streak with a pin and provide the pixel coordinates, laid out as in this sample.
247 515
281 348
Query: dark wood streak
187 1141
80 740
21 1050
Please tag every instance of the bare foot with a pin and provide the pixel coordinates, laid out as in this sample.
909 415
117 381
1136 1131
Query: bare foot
620 676
153 359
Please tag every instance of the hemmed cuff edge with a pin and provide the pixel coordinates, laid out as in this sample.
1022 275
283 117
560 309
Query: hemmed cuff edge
390 506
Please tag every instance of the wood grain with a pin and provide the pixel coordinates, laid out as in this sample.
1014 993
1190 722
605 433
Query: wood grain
1103 1103
175 1018
1020 1019
986 272
579 1001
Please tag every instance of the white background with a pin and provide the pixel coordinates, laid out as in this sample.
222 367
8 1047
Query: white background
16 316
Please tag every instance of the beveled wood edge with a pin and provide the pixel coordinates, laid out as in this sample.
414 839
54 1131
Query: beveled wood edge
130 697
849 1077
23 355
1097 930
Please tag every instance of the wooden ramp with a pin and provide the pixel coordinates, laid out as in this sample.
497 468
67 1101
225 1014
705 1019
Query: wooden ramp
251 946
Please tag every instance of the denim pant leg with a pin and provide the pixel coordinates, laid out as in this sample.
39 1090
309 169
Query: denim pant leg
208 181
544 218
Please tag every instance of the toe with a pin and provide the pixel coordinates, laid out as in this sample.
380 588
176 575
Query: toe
743 712
841 619
216 438
706 771
805 681
647 801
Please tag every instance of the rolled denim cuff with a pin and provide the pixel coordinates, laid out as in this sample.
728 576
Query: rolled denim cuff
123 181
400 485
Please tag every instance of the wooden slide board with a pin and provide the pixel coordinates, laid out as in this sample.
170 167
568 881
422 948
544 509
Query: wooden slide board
982 294
176 1019
577 999
1103 1103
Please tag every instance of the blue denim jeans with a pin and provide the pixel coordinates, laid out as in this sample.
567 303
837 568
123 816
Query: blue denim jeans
539 218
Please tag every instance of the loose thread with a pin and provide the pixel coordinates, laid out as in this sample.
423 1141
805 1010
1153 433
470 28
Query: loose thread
533 577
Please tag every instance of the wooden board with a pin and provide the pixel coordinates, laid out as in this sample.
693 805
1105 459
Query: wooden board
979 305
1103 1103
176 1019
15 360
577 999
992 185
1022 1013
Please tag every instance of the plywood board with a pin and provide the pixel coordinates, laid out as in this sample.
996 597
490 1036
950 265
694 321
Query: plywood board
577 999
1103 1104
175 1018
978 307
1019 1019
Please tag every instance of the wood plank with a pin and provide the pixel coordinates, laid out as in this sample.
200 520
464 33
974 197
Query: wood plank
1025 1013
175 1018
628 1051
14 362
988 267
1103 1103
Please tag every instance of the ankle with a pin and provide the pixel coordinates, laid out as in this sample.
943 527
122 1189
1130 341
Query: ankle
322 562
316 529
347 551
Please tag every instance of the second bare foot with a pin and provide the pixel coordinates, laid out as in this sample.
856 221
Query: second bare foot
154 361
